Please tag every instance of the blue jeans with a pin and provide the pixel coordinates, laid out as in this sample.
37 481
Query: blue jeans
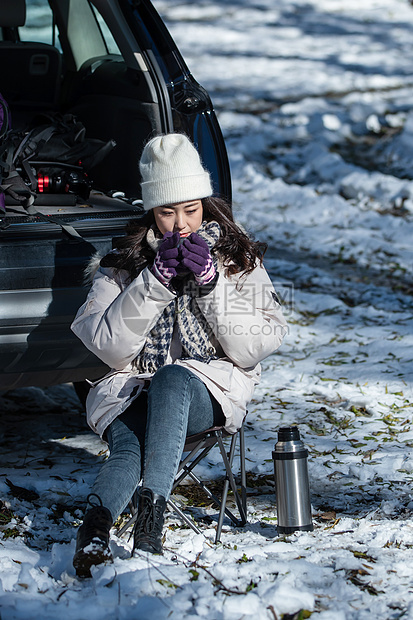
149 437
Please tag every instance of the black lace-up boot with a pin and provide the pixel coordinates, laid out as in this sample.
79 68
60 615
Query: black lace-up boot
147 534
92 544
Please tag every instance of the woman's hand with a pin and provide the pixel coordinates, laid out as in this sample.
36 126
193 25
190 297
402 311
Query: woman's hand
196 256
166 260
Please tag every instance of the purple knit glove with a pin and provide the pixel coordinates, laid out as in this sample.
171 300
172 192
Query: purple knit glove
196 257
166 260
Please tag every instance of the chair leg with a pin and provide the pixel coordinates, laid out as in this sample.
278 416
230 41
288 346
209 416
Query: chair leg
230 481
133 508
185 468
243 472
228 465
183 516
221 512
127 525
212 496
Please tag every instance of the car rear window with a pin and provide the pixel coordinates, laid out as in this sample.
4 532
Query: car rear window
106 33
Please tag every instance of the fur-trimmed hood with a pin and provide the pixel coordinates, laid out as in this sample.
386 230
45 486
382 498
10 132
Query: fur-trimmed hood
91 268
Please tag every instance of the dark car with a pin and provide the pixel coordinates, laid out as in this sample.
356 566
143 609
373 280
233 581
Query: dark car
113 65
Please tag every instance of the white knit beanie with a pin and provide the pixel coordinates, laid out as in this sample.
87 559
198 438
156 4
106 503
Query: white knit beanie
172 172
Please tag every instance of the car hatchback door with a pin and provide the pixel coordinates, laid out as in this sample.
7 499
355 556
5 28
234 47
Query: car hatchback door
142 89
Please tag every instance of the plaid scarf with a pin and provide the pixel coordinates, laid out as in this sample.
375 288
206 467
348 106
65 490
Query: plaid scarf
193 330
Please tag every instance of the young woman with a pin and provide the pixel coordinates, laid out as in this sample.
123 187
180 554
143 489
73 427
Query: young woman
183 312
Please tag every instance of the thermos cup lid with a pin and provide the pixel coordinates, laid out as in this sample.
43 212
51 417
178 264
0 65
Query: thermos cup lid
288 433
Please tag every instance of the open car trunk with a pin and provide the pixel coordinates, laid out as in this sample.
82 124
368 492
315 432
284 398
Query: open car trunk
113 65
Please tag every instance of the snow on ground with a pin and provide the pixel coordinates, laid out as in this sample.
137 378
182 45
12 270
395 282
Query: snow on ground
315 99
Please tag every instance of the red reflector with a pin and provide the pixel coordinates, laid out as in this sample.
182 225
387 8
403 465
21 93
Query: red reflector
46 182
40 184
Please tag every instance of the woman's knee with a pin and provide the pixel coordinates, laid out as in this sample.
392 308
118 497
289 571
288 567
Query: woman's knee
122 440
170 375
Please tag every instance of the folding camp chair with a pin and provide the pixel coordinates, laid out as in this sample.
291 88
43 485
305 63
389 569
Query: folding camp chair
196 449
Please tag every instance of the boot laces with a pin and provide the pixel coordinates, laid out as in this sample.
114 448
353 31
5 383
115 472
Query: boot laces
96 526
147 522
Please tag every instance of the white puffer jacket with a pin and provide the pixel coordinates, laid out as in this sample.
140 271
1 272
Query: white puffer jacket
116 318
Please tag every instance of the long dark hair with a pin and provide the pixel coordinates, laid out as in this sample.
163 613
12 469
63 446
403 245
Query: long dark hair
238 252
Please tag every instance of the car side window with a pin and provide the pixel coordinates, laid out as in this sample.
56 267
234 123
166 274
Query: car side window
39 26
83 32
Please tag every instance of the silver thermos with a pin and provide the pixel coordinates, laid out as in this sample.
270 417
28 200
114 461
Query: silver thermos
291 482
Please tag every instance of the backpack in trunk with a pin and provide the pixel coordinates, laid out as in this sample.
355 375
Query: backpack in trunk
52 157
